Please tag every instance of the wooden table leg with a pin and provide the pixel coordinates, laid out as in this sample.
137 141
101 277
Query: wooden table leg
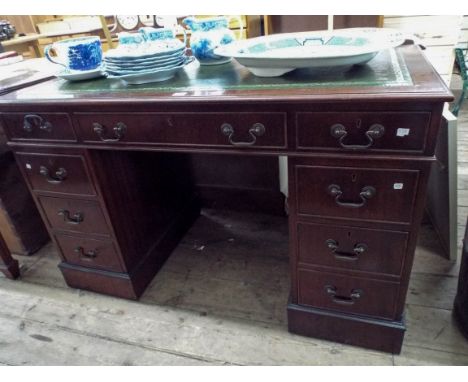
8 265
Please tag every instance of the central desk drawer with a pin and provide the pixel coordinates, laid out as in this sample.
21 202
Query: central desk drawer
91 253
385 195
56 173
238 130
363 131
74 215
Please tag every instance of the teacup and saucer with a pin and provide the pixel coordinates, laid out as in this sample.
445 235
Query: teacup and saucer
81 57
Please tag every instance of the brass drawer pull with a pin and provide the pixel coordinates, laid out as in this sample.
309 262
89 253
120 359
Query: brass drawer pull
340 255
75 219
86 255
257 130
32 120
343 300
339 131
119 131
57 178
366 193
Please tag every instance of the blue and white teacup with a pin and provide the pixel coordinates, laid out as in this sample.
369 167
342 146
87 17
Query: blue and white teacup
82 53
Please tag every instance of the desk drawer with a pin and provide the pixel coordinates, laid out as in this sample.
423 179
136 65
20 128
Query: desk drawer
56 173
353 248
92 253
237 130
347 294
38 127
385 195
74 215
363 131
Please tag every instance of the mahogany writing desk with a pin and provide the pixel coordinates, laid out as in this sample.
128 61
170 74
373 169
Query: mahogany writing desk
105 164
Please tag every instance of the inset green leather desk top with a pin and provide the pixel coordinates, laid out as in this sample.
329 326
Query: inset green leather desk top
400 70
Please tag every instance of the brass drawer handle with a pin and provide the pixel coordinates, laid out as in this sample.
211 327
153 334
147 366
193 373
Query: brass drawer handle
86 255
31 120
340 255
119 132
339 131
257 130
58 177
367 192
343 300
75 219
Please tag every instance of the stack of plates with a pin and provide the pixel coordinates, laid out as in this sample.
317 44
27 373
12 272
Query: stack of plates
158 61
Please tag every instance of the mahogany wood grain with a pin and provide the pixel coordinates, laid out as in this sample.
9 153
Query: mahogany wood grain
8 266
74 215
65 174
185 129
395 190
34 126
376 257
132 285
334 292
460 306
90 252
20 222
402 132
382 335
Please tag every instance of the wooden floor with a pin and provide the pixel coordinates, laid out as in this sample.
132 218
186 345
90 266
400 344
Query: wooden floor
219 300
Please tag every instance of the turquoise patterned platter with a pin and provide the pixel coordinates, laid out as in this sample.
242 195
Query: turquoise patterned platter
275 55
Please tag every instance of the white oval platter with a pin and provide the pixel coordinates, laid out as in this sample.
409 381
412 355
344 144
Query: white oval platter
275 55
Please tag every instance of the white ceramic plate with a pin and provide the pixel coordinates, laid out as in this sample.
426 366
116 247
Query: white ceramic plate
274 55
81 75
157 51
152 76
142 69
149 61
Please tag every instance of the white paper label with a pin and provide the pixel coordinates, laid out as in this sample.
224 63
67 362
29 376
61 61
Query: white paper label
398 186
402 132
28 166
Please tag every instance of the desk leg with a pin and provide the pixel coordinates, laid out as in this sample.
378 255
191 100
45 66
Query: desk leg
8 265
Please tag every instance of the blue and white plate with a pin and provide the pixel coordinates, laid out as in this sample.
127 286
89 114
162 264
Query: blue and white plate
81 75
139 54
118 70
146 62
157 75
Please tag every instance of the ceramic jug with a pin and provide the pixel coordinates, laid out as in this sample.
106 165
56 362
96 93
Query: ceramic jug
207 34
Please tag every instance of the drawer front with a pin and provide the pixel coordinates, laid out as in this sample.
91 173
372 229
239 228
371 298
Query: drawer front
38 127
57 173
74 215
237 130
353 248
350 131
385 195
92 253
347 294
